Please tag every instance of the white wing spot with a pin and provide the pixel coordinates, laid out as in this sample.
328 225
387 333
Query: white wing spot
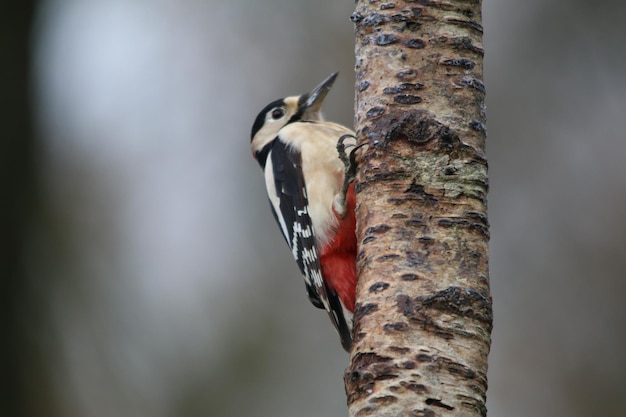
309 256
297 230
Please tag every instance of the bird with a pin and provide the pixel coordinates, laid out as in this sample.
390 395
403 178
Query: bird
309 167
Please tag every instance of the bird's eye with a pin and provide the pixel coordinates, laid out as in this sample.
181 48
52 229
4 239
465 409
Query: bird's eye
278 113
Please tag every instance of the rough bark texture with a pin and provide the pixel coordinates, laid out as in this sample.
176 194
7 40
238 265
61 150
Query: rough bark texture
423 317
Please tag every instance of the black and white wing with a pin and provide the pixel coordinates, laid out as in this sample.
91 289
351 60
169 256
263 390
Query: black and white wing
287 193
288 197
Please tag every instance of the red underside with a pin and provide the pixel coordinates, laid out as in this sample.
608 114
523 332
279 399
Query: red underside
338 259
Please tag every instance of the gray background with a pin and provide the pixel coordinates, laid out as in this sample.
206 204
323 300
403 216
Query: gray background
166 287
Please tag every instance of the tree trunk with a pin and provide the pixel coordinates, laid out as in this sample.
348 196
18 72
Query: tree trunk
423 317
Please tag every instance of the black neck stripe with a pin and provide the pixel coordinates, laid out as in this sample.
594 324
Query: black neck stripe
261 154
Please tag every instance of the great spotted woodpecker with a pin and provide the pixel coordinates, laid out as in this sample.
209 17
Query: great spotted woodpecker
308 176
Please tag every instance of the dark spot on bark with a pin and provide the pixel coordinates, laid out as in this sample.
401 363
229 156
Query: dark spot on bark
407 74
382 175
418 190
356 17
410 86
386 39
415 43
385 376
409 365
363 85
406 305
464 223
401 350
422 357
366 359
404 87
427 240
407 99
468 13
465 63
399 327
366 412
477 125
426 128
409 277
473 83
365 309
368 240
359 383
450 170
379 287
415 258
435 4
388 257
437 403
448 137
412 26
479 217
463 371
466 23
474 403
365 369
465 302
465 43
426 412
375 112
396 201
399 216
384 400
381 228
397 18
413 127
373 19
387 6
414 223
415 311
415 387
353 376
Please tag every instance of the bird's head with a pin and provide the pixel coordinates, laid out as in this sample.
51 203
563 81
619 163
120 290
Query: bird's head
280 113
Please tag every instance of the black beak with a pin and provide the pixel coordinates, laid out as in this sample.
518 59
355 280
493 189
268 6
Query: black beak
313 104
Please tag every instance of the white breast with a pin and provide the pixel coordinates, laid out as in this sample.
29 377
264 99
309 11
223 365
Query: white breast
323 170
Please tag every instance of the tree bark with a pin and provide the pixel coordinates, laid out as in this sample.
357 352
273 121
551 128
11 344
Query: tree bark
423 318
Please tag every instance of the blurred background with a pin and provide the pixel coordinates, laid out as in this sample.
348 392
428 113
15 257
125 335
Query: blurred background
143 274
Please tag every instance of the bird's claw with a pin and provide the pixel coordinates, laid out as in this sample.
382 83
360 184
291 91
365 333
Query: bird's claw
349 162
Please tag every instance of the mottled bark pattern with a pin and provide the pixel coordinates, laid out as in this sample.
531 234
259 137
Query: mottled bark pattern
423 317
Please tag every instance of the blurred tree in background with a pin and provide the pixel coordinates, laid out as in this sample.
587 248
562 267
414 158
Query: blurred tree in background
26 386
146 272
